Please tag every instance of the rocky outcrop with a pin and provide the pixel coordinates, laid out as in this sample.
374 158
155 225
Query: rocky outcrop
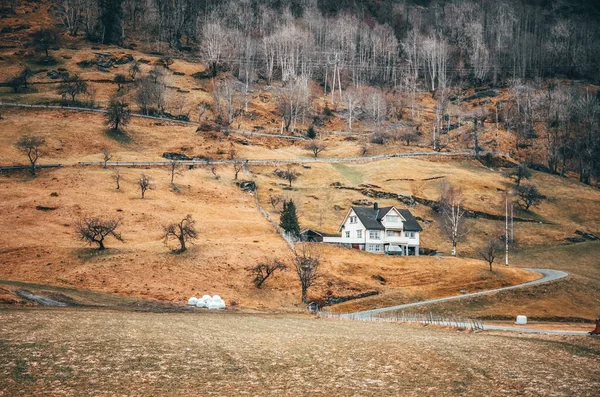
413 200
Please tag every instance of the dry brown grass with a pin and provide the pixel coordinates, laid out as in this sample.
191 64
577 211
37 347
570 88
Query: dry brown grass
570 205
39 247
50 353
576 298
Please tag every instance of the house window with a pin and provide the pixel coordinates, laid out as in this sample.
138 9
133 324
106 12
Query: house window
359 234
390 233
374 234
347 234
409 234
377 248
353 219
392 218
374 247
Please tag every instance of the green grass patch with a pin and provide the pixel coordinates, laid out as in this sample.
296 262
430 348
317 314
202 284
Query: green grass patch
351 174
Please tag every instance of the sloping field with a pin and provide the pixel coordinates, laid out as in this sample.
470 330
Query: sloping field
576 298
72 352
569 206
39 243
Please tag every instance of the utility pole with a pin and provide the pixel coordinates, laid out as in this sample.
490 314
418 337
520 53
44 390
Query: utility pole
506 230
512 224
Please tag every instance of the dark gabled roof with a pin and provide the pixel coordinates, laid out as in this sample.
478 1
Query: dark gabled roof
368 216
371 218
410 224
320 233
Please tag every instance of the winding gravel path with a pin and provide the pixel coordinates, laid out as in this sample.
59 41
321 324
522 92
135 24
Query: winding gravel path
548 276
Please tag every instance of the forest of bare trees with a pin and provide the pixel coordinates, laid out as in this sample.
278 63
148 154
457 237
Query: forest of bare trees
396 44
374 57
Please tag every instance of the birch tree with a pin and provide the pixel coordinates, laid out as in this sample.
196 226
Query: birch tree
452 214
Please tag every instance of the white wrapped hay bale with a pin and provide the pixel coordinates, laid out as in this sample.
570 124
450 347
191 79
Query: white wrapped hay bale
216 303
521 320
192 301
201 303
206 298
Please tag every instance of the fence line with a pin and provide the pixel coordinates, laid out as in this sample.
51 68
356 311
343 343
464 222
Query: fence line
402 317
7 168
143 116
286 161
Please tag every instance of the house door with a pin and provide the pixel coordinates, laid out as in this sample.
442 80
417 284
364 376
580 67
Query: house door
355 246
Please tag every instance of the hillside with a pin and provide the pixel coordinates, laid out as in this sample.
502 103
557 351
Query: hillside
39 213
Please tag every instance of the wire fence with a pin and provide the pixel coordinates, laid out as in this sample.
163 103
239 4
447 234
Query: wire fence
404 317
143 116
8 168
286 161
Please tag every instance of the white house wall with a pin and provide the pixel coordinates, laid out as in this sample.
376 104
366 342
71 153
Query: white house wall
365 240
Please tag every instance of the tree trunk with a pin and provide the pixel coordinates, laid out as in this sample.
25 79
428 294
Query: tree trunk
453 248
182 242
100 245
304 295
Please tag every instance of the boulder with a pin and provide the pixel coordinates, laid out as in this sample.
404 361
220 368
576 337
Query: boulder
125 59
175 156
88 63
247 186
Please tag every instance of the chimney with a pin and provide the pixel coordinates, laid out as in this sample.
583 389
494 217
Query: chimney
376 206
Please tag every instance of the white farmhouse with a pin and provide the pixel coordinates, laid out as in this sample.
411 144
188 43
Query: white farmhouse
379 230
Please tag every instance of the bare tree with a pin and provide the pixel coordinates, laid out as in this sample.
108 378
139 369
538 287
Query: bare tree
226 103
45 39
528 195
145 183
213 170
118 114
478 117
134 69
491 250
293 101
452 214
71 13
95 230
375 104
289 175
173 169
352 99
434 52
409 136
183 231
316 147
31 146
119 80
116 176
519 173
263 271
217 42
72 86
275 201
238 165
106 156
307 261
151 92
